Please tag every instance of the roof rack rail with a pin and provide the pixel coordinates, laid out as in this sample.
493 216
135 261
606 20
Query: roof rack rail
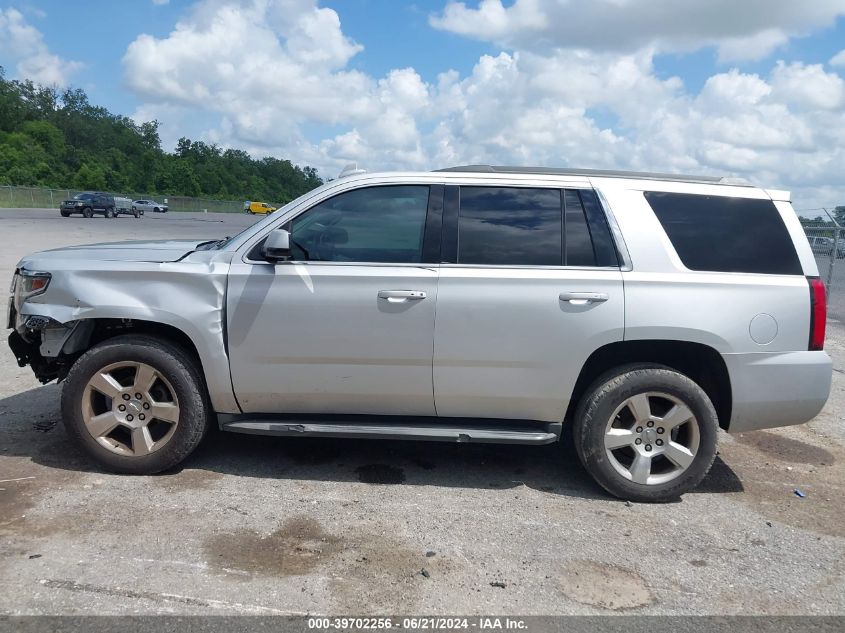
601 173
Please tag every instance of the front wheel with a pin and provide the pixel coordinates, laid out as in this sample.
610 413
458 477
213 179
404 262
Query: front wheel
135 213
88 212
135 404
646 433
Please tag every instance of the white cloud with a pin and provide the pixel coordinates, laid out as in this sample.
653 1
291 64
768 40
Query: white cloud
23 43
750 29
838 59
297 96
809 86
160 2
753 47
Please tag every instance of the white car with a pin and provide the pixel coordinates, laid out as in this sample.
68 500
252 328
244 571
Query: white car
149 205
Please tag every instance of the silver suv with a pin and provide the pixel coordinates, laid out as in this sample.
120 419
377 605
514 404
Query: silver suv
638 312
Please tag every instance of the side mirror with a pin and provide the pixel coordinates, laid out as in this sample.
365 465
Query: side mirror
277 246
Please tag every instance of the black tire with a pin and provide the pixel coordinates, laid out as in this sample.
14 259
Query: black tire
65 214
607 394
135 213
88 212
170 361
156 209
110 213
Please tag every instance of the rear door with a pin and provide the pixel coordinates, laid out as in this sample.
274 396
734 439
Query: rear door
529 288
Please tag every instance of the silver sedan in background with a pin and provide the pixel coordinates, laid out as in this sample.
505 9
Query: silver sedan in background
149 205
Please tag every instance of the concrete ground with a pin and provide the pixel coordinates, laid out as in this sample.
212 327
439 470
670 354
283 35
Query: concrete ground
265 526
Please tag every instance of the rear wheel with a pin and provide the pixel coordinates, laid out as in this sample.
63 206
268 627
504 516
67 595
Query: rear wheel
646 433
88 212
135 213
110 213
135 404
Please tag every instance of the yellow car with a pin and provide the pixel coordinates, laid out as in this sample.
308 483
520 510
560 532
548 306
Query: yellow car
258 207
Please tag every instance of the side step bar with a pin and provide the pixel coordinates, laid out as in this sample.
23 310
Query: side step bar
370 427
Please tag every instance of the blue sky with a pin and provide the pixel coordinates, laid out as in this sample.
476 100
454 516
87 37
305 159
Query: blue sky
394 34
753 89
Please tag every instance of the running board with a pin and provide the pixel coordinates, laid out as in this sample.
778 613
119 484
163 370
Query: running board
442 430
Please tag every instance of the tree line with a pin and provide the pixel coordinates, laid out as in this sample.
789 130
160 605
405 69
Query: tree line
58 139
838 215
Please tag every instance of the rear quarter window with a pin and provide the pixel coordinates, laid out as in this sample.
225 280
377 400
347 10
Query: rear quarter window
725 234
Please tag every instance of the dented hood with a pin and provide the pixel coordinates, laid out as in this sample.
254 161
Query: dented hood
133 251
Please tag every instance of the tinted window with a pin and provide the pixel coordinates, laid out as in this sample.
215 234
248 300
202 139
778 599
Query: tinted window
603 245
509 226
377 224
579 246
722 234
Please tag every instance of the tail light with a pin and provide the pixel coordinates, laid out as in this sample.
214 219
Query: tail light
818 313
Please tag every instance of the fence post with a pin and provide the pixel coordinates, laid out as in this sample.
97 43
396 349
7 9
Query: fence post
833 252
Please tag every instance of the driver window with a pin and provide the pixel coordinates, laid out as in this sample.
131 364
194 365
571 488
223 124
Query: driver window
376 224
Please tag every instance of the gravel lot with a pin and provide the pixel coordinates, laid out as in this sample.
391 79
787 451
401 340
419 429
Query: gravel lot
264 526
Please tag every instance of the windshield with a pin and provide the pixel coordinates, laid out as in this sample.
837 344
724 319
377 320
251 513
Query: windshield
83 196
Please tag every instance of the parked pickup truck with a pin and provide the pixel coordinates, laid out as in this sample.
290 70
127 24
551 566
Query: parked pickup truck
474 304
91 203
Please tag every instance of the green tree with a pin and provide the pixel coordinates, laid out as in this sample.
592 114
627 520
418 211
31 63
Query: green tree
62 140
90 178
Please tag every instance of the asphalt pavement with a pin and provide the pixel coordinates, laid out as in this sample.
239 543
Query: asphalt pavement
264 526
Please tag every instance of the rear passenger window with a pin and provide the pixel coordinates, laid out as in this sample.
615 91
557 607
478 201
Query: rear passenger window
722 234
510 226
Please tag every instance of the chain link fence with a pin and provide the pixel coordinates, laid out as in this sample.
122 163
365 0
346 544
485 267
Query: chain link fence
14 197
827 241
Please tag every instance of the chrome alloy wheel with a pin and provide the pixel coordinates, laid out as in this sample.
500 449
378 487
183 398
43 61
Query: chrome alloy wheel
130 408
651 438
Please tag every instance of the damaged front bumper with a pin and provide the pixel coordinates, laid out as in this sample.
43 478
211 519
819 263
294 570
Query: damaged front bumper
45 344
29 353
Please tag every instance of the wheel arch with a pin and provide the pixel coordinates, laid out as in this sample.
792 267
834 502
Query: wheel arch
214 370
699 362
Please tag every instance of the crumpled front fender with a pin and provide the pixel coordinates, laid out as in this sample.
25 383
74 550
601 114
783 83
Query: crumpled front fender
186 295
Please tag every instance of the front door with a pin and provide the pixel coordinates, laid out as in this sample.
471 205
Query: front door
347 325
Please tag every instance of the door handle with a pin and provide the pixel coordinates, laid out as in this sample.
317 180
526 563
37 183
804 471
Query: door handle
400 296
581 298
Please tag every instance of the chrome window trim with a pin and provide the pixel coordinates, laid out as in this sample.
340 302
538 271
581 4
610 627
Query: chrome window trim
431 266
294 208
334 188
321 263
529 267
